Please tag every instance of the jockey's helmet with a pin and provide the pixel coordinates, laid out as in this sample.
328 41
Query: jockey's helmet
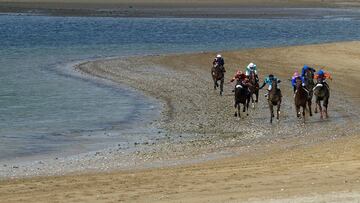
320 72
251 65
271 76
218 56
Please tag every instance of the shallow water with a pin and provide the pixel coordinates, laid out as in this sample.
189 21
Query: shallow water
44 109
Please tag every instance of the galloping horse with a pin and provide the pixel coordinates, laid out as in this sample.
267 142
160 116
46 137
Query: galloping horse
242 96
322 93
254 88
274 99
301 99
217 73
309 82
309 85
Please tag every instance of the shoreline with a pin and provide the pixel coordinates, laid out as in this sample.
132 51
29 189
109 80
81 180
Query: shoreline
182 8
193 111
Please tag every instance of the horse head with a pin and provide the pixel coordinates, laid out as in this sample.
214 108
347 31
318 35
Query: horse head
309 78
274 85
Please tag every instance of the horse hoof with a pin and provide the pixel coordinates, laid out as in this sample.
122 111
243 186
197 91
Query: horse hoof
253 106
247 114
235 114
311 114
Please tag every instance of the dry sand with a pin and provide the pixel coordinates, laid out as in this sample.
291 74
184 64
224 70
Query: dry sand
284 162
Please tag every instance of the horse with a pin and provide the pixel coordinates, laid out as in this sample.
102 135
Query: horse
217 73
301 99
309 85
254 88
274 99
322 93
242 96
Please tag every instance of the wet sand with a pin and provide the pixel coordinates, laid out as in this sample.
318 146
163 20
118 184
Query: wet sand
176 8
248 159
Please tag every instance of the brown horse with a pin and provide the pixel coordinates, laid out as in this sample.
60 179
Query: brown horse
274 99
254 88
309 84
217 73
322 93
242 96
301 99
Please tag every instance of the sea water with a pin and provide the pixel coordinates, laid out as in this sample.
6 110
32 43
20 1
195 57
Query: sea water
45 109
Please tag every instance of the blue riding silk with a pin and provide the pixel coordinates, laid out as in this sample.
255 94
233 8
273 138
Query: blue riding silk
305 68
268 81
293 80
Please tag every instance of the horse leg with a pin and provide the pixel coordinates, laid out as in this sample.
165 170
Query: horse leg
316 107
297 111
238 109
303 112
252 101
247 106
278 111
309 105
320 109
257 96
235 105
221 86
325 104
271 112
215 84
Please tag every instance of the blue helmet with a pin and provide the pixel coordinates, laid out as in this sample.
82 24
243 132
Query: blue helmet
321 72
305 67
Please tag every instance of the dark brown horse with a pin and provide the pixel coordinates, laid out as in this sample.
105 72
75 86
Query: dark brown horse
322 93
254 88
217 73
242 96
274 99
301 100
309 85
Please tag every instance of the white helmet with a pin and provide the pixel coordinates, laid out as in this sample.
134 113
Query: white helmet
218 56
251 65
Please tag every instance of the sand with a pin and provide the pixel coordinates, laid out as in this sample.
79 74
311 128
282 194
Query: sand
177 8
283 162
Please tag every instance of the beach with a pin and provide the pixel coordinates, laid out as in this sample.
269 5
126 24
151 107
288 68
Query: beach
208 155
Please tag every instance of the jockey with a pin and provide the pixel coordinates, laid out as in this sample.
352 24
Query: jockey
321 77
268 81
294 78
220 61
240 77
251 68
305 69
